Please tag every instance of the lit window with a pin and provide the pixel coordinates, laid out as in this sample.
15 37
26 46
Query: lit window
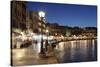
39 24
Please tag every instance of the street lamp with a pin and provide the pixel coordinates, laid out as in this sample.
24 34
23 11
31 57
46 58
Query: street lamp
47 33
46 43
42 15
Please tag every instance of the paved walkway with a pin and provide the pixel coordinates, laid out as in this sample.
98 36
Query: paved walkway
28 56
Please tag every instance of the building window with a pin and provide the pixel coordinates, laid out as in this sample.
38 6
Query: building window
39 24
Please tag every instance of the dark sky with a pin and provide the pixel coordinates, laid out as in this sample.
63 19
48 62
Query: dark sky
67 14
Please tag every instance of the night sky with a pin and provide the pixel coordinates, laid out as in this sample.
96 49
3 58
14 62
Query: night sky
67 14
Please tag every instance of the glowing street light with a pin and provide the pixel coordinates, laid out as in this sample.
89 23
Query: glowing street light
42 16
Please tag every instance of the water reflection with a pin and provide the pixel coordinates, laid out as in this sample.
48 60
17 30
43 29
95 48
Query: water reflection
76 51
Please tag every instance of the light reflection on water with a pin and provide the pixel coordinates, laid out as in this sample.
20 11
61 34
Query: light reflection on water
76 51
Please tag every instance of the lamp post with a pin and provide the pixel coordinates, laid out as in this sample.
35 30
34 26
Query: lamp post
47 31
42 15
46 42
